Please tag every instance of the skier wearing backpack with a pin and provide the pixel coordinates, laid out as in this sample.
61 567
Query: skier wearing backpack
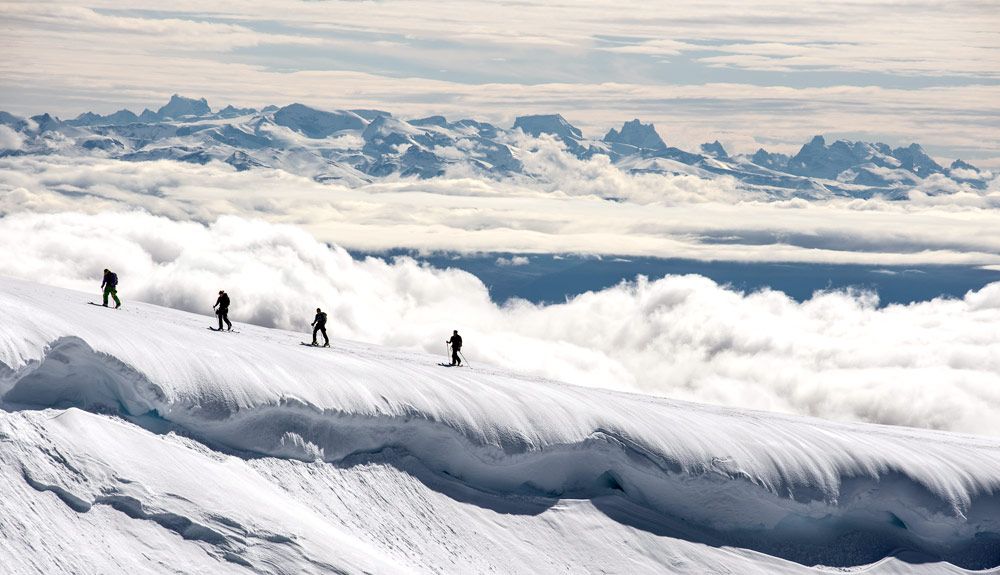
456 346
223 310
319 325
110 287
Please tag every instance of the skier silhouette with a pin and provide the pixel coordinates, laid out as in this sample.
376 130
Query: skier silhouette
223 310
110 286
456 346
319 325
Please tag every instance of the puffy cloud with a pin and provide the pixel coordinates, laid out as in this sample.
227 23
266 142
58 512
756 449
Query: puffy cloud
513 261
10 139
839 355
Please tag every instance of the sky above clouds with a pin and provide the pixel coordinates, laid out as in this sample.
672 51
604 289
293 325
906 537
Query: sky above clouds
747 73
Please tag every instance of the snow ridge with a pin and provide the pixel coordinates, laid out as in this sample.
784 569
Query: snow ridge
805 490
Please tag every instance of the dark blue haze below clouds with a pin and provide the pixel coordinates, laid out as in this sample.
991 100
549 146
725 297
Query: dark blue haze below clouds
554 278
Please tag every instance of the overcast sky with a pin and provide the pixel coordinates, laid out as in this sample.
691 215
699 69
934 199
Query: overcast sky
747 73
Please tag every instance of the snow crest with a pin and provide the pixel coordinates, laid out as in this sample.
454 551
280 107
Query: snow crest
807 490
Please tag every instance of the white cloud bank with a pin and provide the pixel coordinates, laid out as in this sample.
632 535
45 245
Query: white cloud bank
9 139
656 215
934 364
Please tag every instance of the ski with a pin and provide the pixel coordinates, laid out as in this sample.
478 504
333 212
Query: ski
102 305
224 330
313 345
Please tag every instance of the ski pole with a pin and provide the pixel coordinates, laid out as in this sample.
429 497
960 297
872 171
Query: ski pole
463 358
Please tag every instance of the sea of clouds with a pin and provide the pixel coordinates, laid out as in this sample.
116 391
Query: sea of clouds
838 355
570 206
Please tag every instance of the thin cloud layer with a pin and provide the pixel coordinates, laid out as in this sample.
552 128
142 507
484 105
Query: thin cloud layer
567 212
934 364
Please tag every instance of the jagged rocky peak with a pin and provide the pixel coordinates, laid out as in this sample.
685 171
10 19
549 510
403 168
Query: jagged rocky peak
882 148
231 111
119 118
122 116
914 159
87 119
179 107
418 162
385 126
12 121
45 122
963 171
809 154
105 144
243 161
716 150
327 143
553 124
635 133
817 143
369 114
482 127
439 121
816 159
317 123
960 164
769 160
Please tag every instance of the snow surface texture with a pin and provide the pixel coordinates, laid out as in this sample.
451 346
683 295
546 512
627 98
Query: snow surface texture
250 451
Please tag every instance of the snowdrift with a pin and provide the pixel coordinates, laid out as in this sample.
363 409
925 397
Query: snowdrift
784 492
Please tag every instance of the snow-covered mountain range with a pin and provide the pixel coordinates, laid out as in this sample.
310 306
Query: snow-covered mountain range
359 146
136 440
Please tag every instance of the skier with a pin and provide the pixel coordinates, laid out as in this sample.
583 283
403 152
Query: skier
110 286
223 312
319 325
456 346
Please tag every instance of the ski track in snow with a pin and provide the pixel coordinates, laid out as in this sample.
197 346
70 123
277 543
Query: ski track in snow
139 429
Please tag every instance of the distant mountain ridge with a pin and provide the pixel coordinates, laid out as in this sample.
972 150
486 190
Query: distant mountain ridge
358 146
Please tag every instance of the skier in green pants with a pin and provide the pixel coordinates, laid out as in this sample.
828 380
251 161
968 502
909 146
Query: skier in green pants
110 285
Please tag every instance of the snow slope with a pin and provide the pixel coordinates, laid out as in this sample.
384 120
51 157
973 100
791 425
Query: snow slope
137 440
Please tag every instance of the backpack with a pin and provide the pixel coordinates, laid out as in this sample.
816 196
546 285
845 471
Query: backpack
113 279
321 318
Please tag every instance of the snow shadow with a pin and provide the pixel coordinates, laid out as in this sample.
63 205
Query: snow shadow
848 539
883 514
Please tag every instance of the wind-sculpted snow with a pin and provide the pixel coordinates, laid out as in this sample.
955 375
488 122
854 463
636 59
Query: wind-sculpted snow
801 489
